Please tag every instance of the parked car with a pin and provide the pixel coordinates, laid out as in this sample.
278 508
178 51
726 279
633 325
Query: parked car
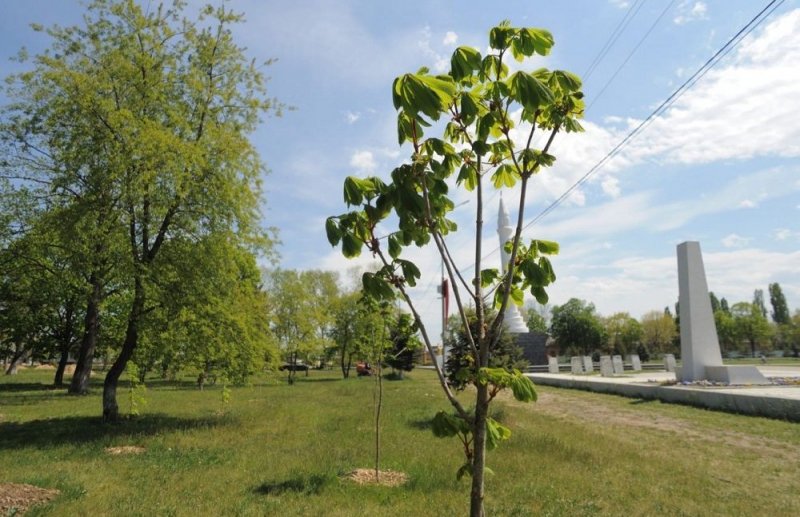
299 366
363 369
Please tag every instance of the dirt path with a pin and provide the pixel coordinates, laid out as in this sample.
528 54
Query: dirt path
575 407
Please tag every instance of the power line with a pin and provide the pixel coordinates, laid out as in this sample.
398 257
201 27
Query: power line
754 22
630 55
683 88
613 37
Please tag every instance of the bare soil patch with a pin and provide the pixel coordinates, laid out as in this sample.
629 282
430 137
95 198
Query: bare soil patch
125 449
385 477
19 497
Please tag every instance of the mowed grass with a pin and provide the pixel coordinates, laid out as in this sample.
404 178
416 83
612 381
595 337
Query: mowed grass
282 450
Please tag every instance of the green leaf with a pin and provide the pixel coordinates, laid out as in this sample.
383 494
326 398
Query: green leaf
394 247
332 230
423 93
376 287
517 296
504 175
522 388
529 91
352 191
547 247
468 176
541 40
540 294
410 271
465 60
445 425
489 276
351 245
568 81
495 433
500 36
464 470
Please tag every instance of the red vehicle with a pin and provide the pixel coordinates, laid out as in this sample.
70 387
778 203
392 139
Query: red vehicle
363 369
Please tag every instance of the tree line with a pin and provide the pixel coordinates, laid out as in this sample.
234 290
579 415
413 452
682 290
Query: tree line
744 328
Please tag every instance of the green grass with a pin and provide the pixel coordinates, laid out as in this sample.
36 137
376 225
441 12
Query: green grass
280 450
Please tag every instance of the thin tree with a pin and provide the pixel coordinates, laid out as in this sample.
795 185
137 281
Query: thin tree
482 103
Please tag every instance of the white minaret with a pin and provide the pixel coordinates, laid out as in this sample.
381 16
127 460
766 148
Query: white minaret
513 319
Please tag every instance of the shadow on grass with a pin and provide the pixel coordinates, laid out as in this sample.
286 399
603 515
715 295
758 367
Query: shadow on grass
76 430
424 424
309 485
641 401
28 386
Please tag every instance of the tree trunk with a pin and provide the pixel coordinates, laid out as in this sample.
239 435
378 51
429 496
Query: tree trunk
19 357
110 406
479 452
83 368
62 365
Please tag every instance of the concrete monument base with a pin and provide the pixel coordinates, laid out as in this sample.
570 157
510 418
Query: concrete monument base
735 374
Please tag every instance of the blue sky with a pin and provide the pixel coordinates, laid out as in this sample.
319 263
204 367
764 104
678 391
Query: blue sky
721 166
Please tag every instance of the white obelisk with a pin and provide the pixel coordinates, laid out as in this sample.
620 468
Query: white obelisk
512 319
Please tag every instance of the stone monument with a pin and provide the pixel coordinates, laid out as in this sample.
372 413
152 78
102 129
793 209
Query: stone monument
588 367
700 350
636 363
606 366
669 362
552 364
576 365
617 365
512 318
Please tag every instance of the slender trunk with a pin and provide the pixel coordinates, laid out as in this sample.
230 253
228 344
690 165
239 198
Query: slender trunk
62 364
110 406
19 357
479 452
378 406
83 368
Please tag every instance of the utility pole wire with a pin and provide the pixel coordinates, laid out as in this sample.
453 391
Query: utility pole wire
683 88
612 38
630 55
754 22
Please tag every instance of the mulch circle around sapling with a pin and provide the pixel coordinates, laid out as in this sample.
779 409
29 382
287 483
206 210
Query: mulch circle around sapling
389 478
125 449
17 498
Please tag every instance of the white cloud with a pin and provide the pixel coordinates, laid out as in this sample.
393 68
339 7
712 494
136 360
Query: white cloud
640 284
364 161
610 186
621 4
352 117
439 62
783 234
734 241
747 203
451 38
743 109
688 12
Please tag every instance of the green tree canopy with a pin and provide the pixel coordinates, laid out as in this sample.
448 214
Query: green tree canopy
577 327
140 119
780 310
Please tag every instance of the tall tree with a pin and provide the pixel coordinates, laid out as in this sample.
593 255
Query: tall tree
301 312
658 331
485 106
535 321
780 311
758 301
577 327
751 325
714 301
623 333
158 108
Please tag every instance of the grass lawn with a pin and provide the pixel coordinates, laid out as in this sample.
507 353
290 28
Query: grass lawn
281 450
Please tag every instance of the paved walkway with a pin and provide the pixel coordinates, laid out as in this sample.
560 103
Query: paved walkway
774 401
